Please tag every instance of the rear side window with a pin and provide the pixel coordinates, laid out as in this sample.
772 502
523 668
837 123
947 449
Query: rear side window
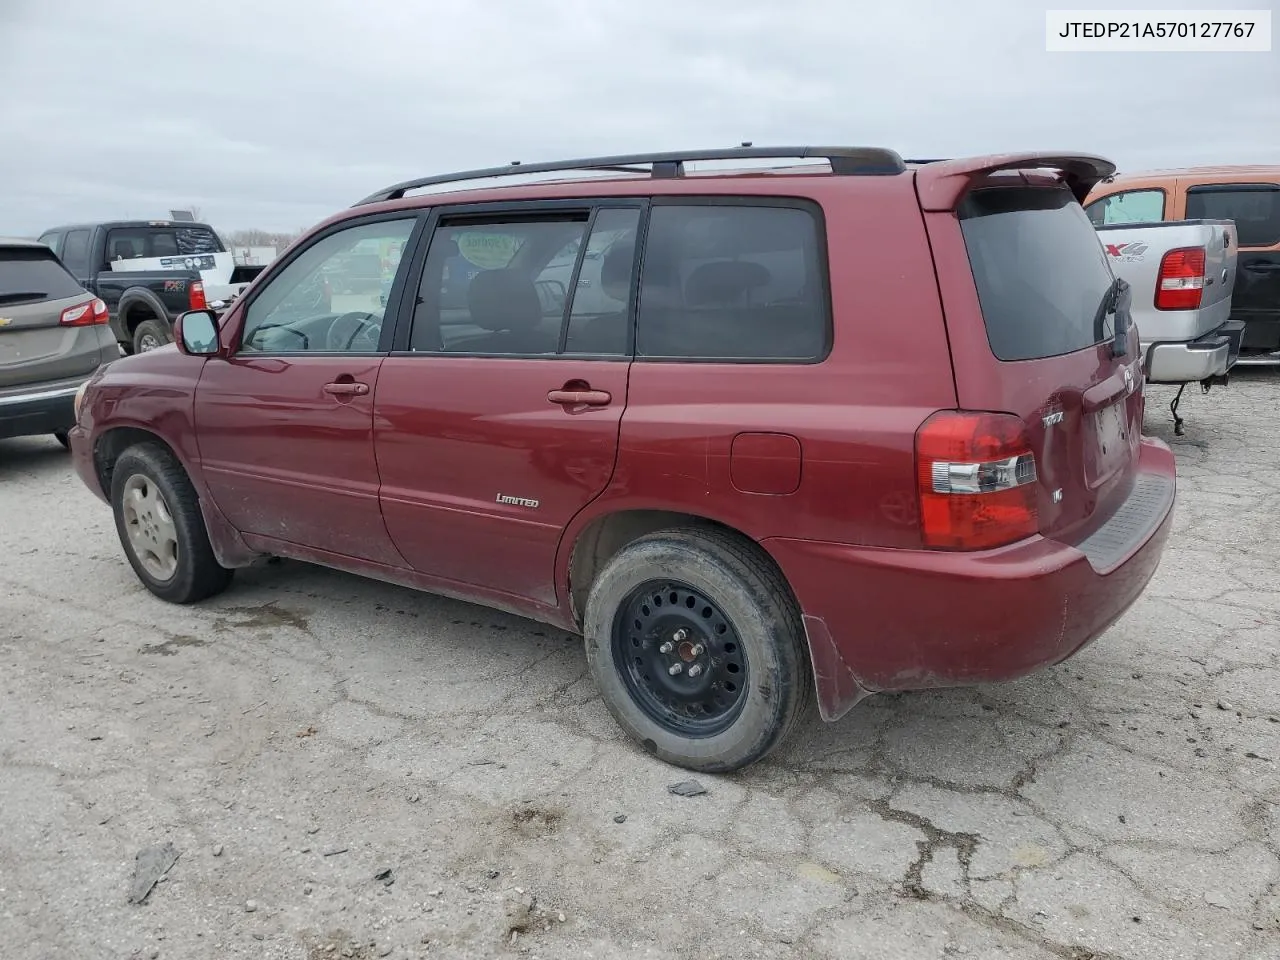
75 251
733 281
33 274
1129 206
1041 273
1255 208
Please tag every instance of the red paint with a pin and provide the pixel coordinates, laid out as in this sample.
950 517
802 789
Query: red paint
421 469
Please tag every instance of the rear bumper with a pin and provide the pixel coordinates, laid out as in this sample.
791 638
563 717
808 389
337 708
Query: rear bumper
39 408
882 620
1193 360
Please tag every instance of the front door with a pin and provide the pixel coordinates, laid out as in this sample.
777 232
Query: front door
285 425
497 416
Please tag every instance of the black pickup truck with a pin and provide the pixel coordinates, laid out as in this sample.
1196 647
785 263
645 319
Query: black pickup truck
149 272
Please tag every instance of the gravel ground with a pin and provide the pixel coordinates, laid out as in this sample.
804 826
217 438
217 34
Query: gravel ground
309 731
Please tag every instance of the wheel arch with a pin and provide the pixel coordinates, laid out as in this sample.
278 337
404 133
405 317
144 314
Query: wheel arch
229 548
601 537
138 304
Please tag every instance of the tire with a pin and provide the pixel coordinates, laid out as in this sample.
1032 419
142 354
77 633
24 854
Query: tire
157 487
63 438
151 334
771 680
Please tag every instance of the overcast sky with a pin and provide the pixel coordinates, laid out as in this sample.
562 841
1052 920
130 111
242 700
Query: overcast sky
275 113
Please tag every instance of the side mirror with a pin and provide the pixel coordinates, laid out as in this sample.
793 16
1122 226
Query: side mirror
196 333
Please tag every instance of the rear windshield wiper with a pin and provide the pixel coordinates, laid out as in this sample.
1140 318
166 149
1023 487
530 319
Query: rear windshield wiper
1115 300
21 296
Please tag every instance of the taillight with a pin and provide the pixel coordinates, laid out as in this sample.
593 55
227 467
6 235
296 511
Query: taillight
1180 284
977 480
196 300
86 315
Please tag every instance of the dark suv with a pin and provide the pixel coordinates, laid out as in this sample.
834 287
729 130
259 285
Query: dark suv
855 424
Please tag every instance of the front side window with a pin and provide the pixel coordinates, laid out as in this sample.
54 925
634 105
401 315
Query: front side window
331 297
1130 206
1255 208
526 286
732 281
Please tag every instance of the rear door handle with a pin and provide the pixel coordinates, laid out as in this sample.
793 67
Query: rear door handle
346 389
580 398
1266 266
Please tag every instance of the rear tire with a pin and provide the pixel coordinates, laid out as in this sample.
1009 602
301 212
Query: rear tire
151 334
63 438
161 527
690 597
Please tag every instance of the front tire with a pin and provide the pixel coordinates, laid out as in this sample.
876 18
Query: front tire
696 645
63 438
161 527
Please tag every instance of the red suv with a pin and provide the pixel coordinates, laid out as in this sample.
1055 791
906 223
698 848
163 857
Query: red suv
852 423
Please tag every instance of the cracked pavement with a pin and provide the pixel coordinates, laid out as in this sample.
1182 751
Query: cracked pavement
309 730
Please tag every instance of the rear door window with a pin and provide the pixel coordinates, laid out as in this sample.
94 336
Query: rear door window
733 281
1255 208
1129 206
498 287
32 275
1041 273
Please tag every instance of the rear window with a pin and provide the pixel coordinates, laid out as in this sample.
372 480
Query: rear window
31 274
1255 208
1040 271
145 242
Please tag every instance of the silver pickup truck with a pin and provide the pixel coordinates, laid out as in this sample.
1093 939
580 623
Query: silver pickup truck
1180 276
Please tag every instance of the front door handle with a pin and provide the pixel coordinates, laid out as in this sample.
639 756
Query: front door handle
1265 266
580 398
347 388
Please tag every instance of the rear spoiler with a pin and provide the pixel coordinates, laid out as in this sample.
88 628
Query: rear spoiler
941 183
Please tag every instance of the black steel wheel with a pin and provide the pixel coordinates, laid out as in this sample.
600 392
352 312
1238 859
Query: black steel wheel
696 645
680 657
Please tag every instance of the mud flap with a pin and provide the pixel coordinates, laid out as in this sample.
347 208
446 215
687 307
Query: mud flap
838 687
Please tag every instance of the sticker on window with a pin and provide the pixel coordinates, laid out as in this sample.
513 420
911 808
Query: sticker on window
488 251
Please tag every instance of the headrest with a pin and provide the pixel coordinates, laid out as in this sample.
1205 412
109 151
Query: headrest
504 300
724 282
615 269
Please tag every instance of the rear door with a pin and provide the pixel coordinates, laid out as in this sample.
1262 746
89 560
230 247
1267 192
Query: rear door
497 415
35 347
1255 208
1027 290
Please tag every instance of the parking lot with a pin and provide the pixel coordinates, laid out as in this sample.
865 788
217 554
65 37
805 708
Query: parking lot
348 769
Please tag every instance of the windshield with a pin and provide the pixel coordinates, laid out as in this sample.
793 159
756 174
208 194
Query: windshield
1040 270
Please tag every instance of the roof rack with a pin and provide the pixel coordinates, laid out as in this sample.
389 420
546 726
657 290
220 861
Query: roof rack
845 161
